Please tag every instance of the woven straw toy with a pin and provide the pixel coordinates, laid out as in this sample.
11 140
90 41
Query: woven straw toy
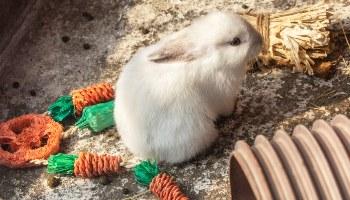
26 138
297 37
85 165
160 184
73 104
97 117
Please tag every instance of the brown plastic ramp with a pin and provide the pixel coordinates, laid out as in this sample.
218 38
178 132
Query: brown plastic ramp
246 177
317 163
273 168
294 165
341 125
307 165
335 153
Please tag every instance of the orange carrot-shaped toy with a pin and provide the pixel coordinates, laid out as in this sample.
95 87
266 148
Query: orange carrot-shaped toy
73 104
161 185
85 165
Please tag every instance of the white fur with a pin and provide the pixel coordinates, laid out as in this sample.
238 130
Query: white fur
165 109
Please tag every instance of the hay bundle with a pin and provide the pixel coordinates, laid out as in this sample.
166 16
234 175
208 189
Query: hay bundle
298 37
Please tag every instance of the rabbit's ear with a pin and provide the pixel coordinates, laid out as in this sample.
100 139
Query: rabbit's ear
175 50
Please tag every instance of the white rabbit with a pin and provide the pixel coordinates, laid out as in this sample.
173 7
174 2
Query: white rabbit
170 93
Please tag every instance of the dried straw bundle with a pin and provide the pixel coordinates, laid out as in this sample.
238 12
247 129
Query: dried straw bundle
298 37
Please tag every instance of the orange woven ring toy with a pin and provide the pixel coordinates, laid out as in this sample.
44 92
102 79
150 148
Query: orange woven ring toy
26 138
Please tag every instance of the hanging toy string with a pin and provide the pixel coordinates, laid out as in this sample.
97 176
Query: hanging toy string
73 104
30 138
85 165
160 184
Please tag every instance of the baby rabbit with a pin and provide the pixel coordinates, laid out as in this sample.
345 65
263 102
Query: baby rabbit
170 93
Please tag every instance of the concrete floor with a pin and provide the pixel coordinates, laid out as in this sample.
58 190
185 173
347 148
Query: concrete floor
45 67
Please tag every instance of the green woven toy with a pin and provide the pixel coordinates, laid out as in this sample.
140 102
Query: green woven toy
159 183
97 117
72 105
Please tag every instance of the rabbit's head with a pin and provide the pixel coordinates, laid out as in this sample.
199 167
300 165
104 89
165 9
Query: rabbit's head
218 39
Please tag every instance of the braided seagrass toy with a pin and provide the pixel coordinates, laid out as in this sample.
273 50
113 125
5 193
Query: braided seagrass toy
160 184
297 37
85 165
73 104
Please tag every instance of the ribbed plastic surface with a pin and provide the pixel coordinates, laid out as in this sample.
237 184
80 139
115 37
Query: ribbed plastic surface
308 164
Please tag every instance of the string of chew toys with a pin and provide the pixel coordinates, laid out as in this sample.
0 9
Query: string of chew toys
34 140
37 136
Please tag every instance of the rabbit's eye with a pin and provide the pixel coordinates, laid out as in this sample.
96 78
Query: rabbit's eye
235 42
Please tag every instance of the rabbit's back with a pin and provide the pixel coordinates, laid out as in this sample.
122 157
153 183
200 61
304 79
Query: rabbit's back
157 118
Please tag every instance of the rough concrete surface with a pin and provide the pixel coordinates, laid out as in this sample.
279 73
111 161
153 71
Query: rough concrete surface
10 12
45 67
16 18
